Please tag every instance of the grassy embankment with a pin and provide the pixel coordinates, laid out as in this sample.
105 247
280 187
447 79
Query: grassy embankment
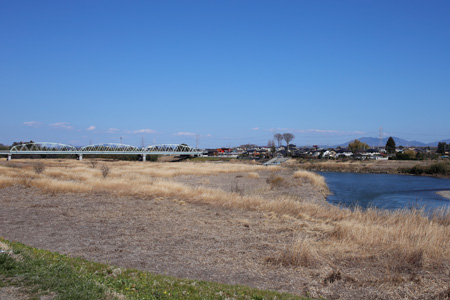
392 247
437 168
414 167
39 272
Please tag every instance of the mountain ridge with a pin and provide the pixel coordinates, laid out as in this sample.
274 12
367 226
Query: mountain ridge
375 142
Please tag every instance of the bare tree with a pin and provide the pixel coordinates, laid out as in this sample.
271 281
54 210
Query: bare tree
271 144
288 137
38 167
279 137
93 163
105 170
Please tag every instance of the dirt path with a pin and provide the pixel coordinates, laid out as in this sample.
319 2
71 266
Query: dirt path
161 236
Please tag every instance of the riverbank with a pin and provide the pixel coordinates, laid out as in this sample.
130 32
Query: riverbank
439 169
265 227
445 194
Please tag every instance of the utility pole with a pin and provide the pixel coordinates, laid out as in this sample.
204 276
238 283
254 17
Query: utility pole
196 142
120 140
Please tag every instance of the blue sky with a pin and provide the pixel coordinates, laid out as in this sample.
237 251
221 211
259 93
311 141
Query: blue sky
225 72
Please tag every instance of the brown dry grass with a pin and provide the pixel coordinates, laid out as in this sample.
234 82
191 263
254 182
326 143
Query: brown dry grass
394 245
357 166
315 179
445 194
253 175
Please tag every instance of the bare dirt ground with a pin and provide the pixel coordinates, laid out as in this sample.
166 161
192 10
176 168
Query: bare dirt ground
163 236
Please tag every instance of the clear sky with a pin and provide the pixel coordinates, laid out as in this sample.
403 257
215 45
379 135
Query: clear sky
225 72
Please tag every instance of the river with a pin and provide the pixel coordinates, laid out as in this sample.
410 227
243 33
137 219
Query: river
386 191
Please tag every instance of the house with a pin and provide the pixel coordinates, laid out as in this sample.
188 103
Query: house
343 152
329 154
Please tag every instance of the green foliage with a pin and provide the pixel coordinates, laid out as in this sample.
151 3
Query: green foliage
439 168
406 155
420 156
46 271
390 145
152 157
357 146
442 146
75 278
416 170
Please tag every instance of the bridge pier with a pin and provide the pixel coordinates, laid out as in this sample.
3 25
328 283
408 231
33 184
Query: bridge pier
80 157
9 157
144 157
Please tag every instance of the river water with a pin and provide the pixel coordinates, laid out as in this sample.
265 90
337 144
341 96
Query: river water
386 191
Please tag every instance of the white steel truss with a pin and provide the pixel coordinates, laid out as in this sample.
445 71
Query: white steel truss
42 147
110 148
170 148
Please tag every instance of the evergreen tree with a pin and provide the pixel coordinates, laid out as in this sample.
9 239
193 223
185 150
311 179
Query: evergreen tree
441 148
390 145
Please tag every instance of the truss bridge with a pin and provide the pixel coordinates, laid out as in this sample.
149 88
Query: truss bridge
48 148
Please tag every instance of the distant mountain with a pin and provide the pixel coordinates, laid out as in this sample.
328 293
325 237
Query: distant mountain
375 142
436 143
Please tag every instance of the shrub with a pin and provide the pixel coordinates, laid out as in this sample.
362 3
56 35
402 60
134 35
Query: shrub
300 253
416 170
152 157
93 163
236 189
275 181
438 168
434 169
38 167
105 170
13 165
253 175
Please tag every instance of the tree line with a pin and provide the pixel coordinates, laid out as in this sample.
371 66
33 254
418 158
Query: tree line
443 148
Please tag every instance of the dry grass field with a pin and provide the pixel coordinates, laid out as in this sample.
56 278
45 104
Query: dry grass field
268 225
